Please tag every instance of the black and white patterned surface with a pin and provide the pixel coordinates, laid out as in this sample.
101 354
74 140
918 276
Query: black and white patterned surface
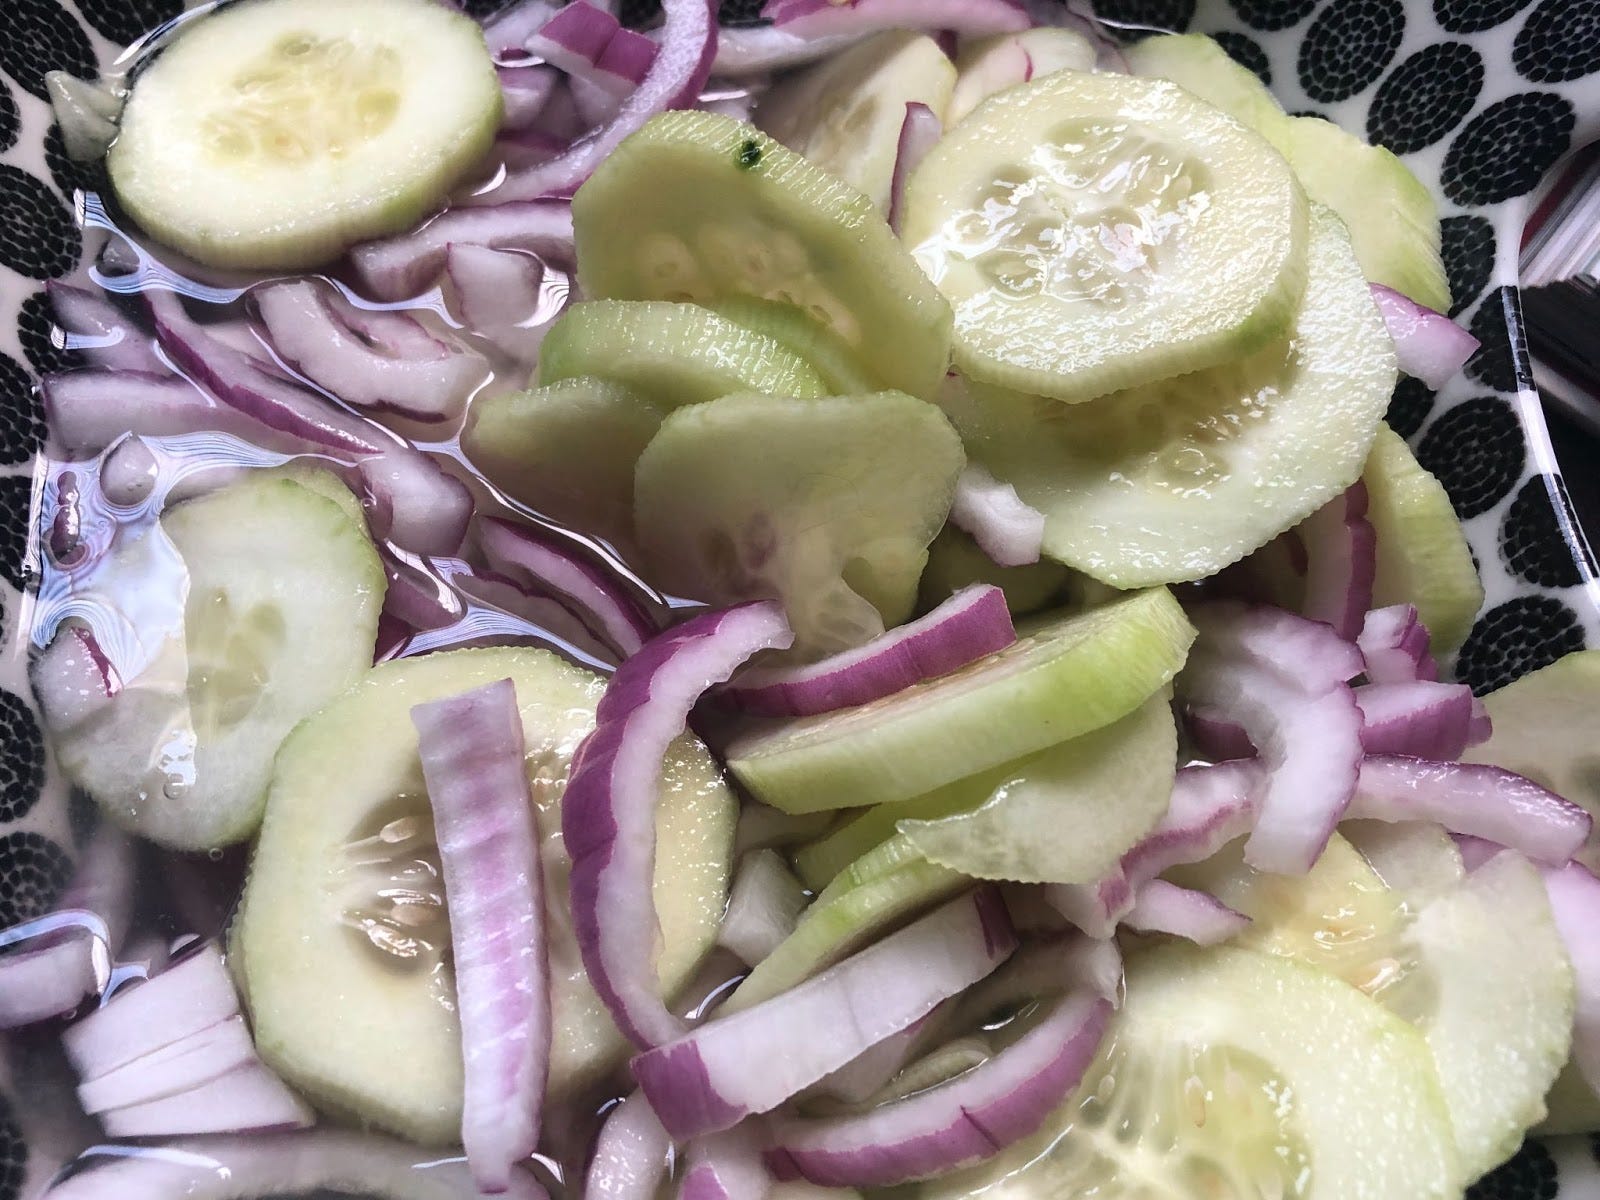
1481 97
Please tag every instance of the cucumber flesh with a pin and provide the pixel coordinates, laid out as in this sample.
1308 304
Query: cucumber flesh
1393 221
845 114
1533 734
1066 677
955 562
1232 1073
567 450
841 370
672 354
1065 815
275 134
283 593
703 208
341 931
1177 480
1022 216
827 505
1423 556
993 64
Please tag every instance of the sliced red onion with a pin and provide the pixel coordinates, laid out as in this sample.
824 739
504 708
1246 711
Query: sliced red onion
608 811
1217 738
1210 807
865 1075
761 49
52 978
1480 728
1005 528
398 268
1429 345
632 1155
1282 679
244 1099
968 1118
181 1067
1341 562
628 57
1480 801
99 331
574 37
919 133
764 904
971 624
191 995
527 148
1162 907
506 296
1575 902
688 43
1394 646
473 763
704 1082
524 91
89 410
416 504
967 18
508 33
528 554
1420 719
725 1166
318 1162
304 325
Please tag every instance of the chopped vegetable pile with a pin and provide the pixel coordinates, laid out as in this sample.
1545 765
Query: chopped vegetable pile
778 611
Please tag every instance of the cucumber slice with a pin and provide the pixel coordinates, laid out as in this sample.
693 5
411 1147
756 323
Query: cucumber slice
1480 969
1196 63
827 505
1417 859
841 370
1393 220
283 593
890 886
1231 1074
1065 815
1423 556
1502 1021
697 206
1179 479
1534 734
567 450
341 933
276 133
324 483
672 354
955 562
1023 217
993 64
845 114
1064 678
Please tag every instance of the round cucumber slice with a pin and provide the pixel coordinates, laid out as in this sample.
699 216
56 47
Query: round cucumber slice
280 615
341 932
845 114
1196 63
840 368
1095 232
672 354
1177 480
567 450
701 207
275 133
1534 734
993 64
1065 815
1061 679
1479 968
1230 1073
826 504
1423 556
